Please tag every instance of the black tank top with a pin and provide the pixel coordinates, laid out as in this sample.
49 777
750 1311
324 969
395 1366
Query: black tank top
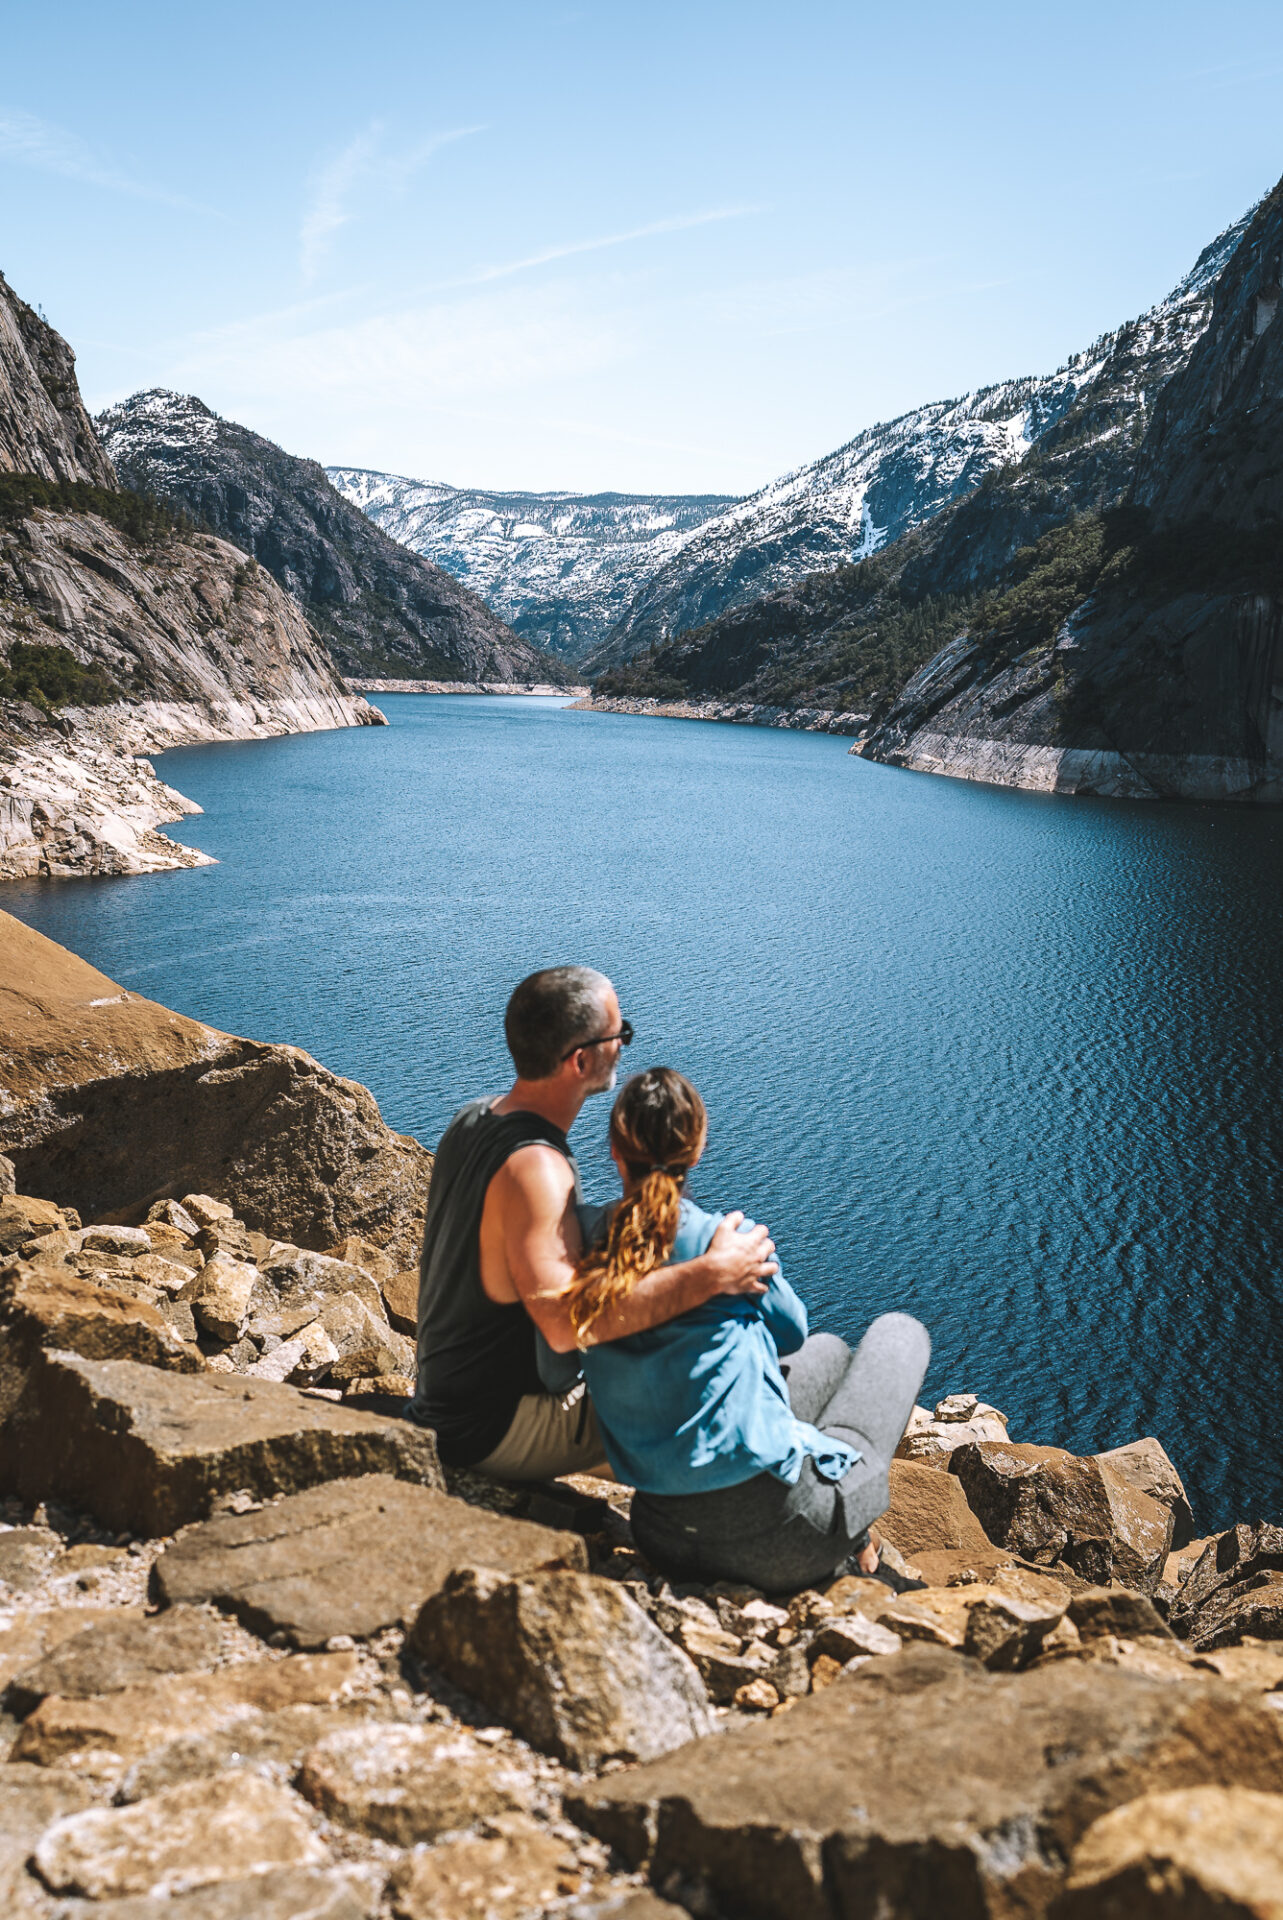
475 1358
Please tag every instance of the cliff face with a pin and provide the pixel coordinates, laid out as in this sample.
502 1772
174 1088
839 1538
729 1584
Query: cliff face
122 631
561 567
44 428
382 610
1162 672
1102 617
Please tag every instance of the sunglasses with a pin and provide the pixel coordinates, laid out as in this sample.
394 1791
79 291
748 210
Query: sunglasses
624 1037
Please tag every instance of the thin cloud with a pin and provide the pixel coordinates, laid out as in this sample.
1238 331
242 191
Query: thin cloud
33 142
680 223
361 162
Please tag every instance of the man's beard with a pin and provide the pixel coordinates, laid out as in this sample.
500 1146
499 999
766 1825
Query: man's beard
607 1086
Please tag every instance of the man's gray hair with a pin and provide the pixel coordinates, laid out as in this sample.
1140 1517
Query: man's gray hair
549 1014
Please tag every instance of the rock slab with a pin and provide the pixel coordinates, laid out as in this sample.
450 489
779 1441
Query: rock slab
1055 1509
569 1661
349 1557
1186 1855
923 1785
228 1828
407 1784
148 1452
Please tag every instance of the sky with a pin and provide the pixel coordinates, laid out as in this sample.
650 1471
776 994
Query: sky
661 248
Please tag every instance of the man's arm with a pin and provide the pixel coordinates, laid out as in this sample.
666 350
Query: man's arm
534 1192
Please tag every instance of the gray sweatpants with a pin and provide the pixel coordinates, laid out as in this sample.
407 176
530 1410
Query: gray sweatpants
781 1538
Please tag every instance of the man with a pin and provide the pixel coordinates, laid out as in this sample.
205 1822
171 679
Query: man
502 1238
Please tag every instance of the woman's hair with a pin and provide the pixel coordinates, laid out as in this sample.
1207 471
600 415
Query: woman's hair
657 1129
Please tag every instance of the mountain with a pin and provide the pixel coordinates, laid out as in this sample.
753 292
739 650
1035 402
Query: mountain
123 629
899 474
1140 653
381 610
1030 633
560 567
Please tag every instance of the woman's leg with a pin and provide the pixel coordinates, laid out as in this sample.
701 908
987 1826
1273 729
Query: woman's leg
871 1403
814 1373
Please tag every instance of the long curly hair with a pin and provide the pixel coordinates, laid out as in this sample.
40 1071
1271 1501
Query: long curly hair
657 1128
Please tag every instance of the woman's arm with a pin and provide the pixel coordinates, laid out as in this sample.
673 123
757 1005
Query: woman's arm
784 1314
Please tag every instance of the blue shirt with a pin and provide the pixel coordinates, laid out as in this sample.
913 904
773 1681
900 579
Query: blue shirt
700 1403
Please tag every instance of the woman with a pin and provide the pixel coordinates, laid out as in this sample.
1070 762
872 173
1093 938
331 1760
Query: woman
744 1470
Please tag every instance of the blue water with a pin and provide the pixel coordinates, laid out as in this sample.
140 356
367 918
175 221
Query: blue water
1005 1060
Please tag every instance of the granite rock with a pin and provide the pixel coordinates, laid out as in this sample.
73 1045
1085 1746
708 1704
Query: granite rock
1235 1588
406 1784
138 1719
973 1787
518 1870
229 1828
41 1308
1051 1508
348 1557
1144 1464
1186 1855
149 1451
117 1653
284 1893
569 1661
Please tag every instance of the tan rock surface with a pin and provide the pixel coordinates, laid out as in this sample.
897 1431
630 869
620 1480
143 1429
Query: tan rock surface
569 1661
131 1722
148 1451
40 1309
401 1301
287 1893
272 1743
27 1635
961 1774
112 1102
1050 1507
929 1513
1186 1855
31 1799
348 1557
506 1876
116 1653
407 1784
1144 1464
228 1828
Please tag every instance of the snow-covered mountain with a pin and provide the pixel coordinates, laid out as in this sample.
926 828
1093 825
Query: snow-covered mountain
897 475
560 568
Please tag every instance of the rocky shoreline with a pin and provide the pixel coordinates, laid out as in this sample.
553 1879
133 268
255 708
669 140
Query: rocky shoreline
737 712
260 1654
461 686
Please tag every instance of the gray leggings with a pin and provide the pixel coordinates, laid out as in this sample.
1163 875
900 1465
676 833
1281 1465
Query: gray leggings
781 1538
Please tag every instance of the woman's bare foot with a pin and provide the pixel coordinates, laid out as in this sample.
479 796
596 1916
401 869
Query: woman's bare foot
868 1559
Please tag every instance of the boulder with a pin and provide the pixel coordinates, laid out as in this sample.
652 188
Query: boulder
1006 1633
348 1557
30 1800
228 1828
1185 1855
958 1421
40 1309
117 1653
26 1556
285 1893
1052 1508
721 1659
24 1218
112 1103
1235 1588
147 1451
206 1211
567 1660
219 1296
172 1213
410 1783
1099 1611
401 1301
272 1743
295 1286
923 1784
1144 1464
355 1252
304 1359
138 1719
27 1636
364 1343
929 1513
518 1870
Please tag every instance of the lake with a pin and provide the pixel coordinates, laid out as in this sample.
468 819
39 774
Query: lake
1008 1061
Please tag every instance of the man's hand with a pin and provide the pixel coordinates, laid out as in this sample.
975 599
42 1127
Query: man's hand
742 1261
